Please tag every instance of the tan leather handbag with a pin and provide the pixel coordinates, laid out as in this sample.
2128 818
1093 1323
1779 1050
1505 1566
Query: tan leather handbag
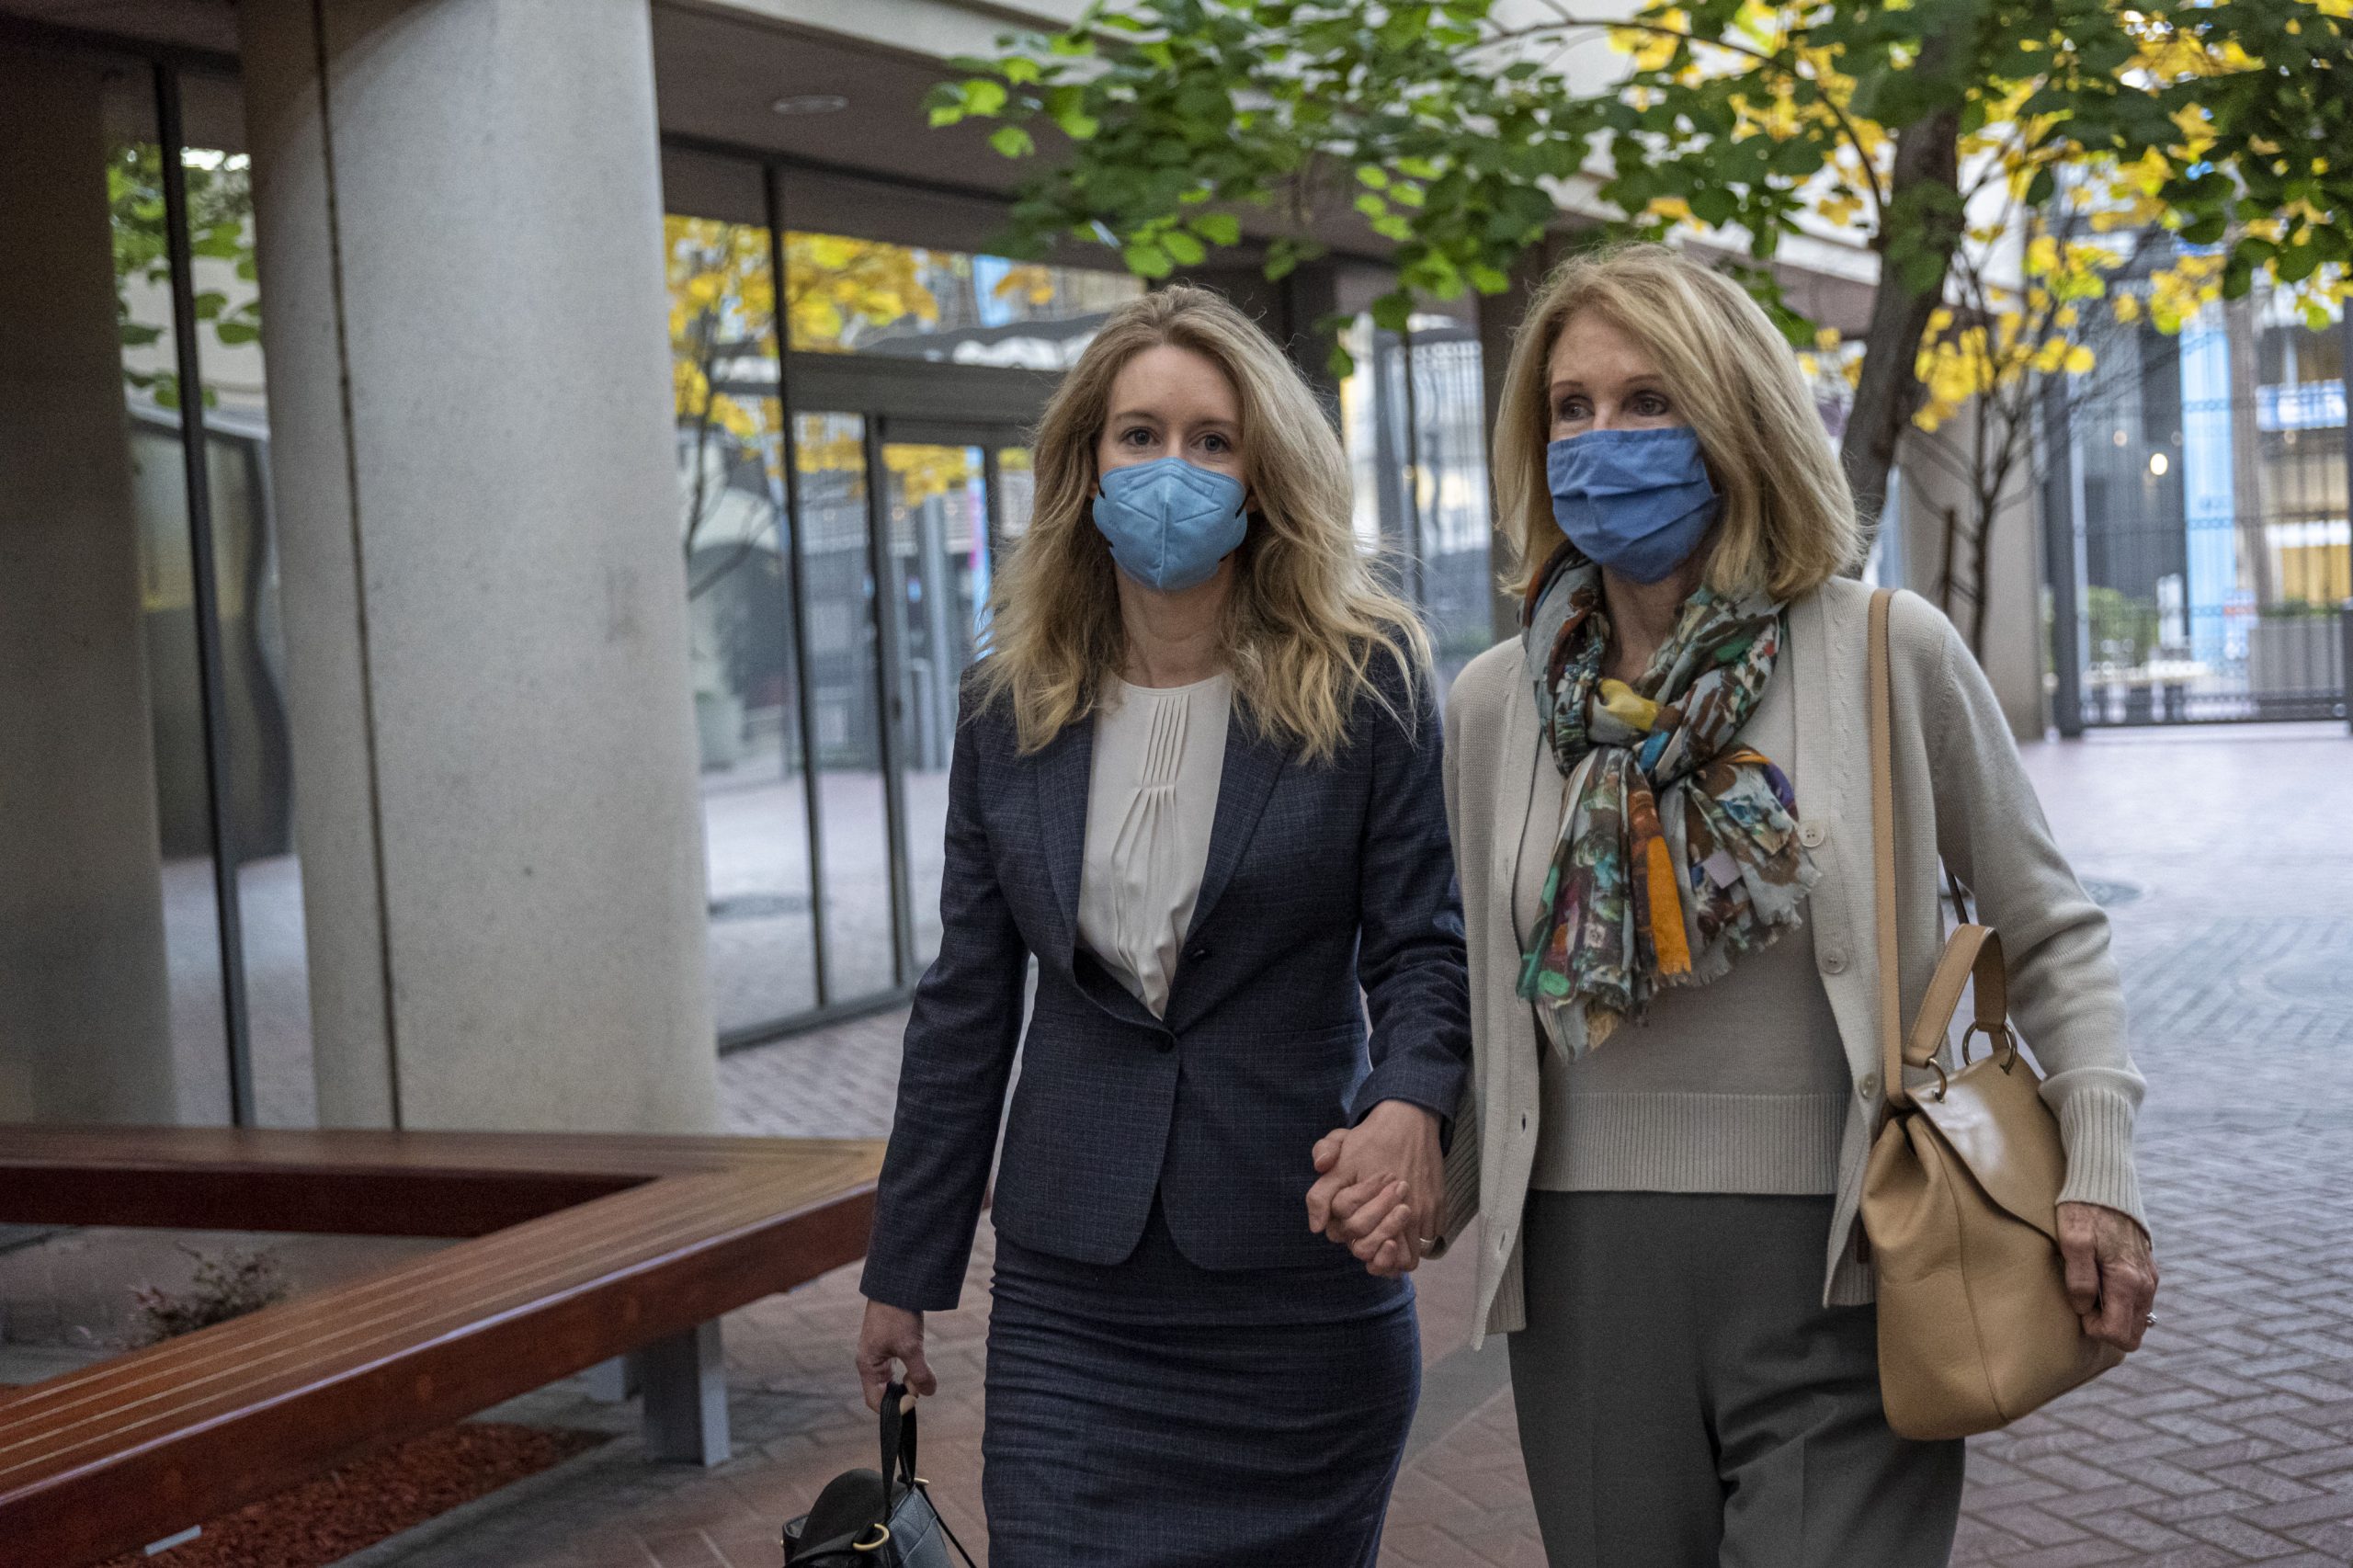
1960 1196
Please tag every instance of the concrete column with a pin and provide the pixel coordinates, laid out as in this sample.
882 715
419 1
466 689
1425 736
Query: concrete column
85 1014
460 224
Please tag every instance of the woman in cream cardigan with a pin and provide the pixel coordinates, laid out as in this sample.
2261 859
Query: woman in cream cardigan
1660 796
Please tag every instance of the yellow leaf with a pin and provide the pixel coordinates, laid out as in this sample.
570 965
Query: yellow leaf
2080 360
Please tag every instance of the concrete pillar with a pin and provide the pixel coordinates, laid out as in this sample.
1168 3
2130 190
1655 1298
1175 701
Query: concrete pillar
85 1014
459 226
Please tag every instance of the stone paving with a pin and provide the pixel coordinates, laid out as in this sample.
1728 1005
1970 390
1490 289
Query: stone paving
2225 856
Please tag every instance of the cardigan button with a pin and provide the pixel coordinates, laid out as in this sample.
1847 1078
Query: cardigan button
1834 961
1811 835
1867 1084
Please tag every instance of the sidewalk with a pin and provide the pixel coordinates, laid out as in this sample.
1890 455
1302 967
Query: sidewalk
2224 855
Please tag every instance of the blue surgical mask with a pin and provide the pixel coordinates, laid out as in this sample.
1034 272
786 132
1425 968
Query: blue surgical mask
1170 522
1637 502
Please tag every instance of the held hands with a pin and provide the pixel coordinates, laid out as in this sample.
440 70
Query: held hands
1377 1187
889 1334
2111 1272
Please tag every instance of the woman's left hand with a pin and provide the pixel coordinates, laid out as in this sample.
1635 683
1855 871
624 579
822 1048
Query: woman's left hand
2111 1272
1380 1185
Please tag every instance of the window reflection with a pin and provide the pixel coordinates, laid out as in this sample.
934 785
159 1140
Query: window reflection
734 533
871 297
1413 414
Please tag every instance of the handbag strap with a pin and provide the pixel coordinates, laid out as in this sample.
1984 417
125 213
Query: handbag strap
899 1475
1971 952
898 1439
1890 979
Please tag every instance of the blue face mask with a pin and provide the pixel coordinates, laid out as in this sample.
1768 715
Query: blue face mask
1170 522
1637 502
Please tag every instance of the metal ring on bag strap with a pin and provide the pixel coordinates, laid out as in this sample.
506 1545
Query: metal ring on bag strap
883 1533
2008 1050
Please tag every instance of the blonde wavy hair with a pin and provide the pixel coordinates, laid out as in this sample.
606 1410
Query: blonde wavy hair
1789 523
1307 619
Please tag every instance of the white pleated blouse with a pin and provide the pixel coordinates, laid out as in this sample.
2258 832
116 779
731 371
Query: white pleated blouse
1151 800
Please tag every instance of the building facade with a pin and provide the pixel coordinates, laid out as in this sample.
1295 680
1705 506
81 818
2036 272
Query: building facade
499 494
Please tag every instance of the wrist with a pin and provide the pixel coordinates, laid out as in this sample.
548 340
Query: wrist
1393 1109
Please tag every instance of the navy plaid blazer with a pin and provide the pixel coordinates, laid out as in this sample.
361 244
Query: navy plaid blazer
1328 904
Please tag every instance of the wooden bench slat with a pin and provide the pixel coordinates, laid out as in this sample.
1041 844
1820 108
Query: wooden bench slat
328 1331
583 1246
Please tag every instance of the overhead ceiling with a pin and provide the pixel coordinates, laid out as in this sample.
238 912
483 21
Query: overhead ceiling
718 75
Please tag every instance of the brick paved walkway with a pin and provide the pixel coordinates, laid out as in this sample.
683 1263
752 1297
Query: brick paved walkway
2226 856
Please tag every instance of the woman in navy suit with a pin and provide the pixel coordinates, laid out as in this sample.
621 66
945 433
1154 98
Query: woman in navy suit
1196 778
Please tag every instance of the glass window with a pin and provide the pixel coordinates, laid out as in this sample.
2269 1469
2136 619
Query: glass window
844 711
734 534
168 600
256 745
939 559
1413 416
873 297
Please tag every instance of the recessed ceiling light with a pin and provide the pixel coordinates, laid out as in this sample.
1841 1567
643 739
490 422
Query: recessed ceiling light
810 103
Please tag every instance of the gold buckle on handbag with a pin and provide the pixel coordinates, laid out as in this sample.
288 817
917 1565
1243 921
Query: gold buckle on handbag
881 1539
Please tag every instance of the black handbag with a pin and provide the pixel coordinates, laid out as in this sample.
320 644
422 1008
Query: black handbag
866 1519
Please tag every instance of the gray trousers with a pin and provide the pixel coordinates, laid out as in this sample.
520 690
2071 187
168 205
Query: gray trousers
1687 1401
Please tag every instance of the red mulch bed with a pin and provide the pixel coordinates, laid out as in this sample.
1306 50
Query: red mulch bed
336 1515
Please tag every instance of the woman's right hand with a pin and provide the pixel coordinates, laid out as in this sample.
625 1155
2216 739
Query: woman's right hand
891 1334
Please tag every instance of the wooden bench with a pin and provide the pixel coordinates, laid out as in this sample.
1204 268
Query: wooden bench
576 1250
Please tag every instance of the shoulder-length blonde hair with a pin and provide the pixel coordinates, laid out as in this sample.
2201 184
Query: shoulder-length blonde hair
1789 521
1306 620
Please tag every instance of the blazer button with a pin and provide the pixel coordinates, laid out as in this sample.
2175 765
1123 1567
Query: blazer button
1834 962
1197 955
1164 1042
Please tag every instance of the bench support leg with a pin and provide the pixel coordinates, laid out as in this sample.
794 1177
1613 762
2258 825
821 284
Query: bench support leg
610 1382
685 1378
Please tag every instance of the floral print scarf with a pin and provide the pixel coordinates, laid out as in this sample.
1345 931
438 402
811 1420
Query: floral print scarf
1679 849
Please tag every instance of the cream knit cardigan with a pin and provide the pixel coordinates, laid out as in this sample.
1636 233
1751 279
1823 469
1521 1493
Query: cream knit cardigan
1960 795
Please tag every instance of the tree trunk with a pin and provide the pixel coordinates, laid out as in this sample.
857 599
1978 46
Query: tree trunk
1923 225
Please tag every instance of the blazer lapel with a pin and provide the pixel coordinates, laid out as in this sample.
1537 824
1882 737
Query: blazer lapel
1253 763
1062 774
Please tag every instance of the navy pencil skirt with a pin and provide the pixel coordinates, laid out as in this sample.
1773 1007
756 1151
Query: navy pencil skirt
1155 1414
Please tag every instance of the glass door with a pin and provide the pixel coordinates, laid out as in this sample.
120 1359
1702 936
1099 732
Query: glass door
946 501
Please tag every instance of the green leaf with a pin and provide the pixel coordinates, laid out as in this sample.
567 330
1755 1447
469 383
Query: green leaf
1340 362
2208 230
1012 141
1019 69
2042 189
1487 279
237 332
1147 260
983 97
1372 174
1713 205
1184 247
1218 228
1371 206
1392 313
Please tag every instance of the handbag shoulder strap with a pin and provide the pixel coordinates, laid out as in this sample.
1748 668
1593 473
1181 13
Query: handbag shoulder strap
1890 979
1974 953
